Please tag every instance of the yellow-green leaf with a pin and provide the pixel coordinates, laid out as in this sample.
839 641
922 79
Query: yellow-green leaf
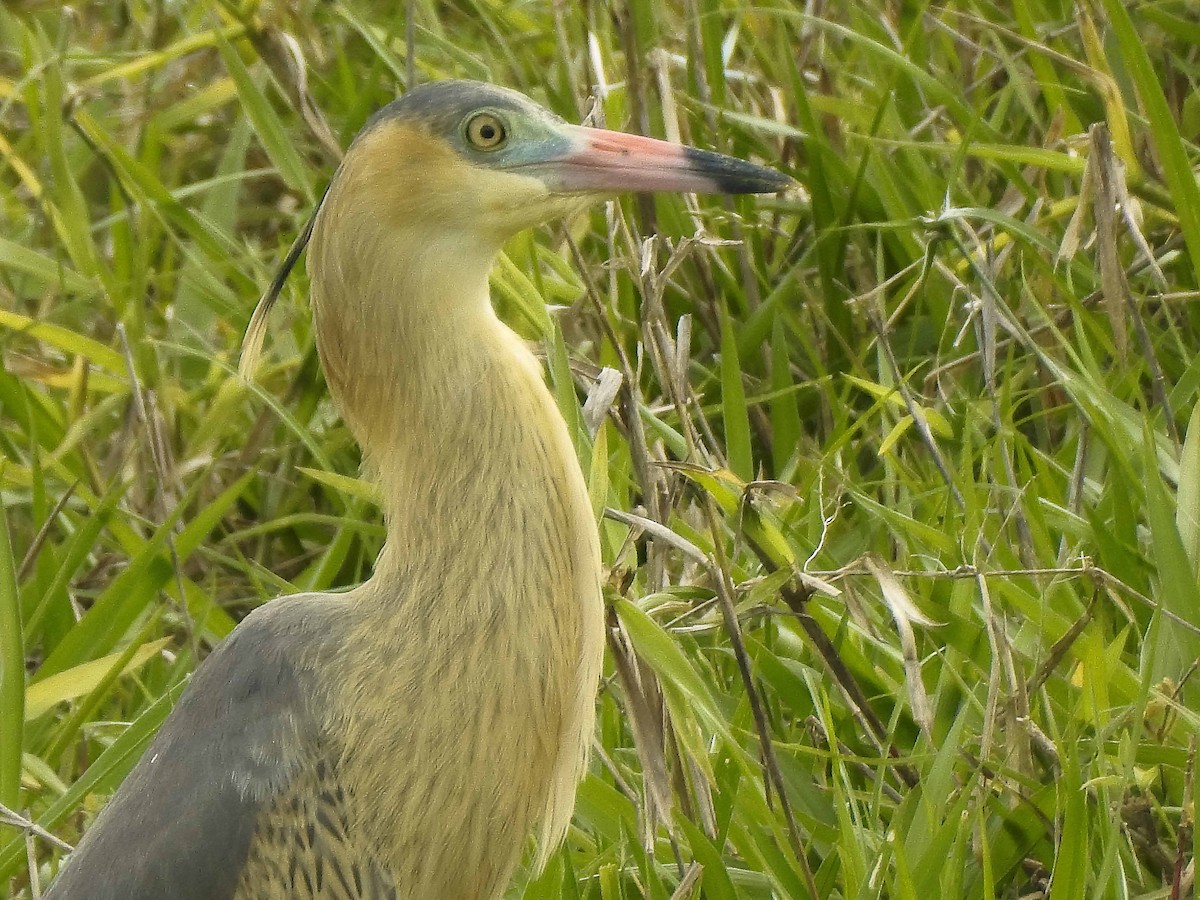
82 679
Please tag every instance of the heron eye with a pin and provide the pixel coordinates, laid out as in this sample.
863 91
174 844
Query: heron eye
486 132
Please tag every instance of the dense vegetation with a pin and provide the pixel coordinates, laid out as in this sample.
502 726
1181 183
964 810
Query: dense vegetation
903 470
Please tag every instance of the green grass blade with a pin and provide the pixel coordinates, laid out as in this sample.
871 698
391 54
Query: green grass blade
12 672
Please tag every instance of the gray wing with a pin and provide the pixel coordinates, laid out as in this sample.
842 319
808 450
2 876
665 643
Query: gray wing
182 824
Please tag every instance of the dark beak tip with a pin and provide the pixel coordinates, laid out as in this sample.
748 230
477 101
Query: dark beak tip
767 181
781 184
730 175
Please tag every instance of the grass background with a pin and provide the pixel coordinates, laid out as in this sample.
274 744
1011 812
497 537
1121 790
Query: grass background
906 470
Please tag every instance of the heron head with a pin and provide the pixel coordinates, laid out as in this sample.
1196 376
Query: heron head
487 161
439 179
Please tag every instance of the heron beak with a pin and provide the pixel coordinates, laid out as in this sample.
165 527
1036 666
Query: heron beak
597 160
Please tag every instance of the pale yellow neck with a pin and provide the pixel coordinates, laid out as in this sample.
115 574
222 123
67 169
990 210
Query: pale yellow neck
473 459
457 427
485 602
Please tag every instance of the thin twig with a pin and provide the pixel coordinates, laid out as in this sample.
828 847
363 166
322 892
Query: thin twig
16 820
44 532
158 456
687 884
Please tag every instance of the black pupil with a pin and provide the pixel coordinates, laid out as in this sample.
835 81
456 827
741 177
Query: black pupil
487 132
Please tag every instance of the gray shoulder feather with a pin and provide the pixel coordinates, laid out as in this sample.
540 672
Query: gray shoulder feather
181 824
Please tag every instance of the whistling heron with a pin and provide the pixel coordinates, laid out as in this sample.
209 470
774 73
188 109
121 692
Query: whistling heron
404 738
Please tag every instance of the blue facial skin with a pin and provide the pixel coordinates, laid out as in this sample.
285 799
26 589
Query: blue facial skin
443 108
